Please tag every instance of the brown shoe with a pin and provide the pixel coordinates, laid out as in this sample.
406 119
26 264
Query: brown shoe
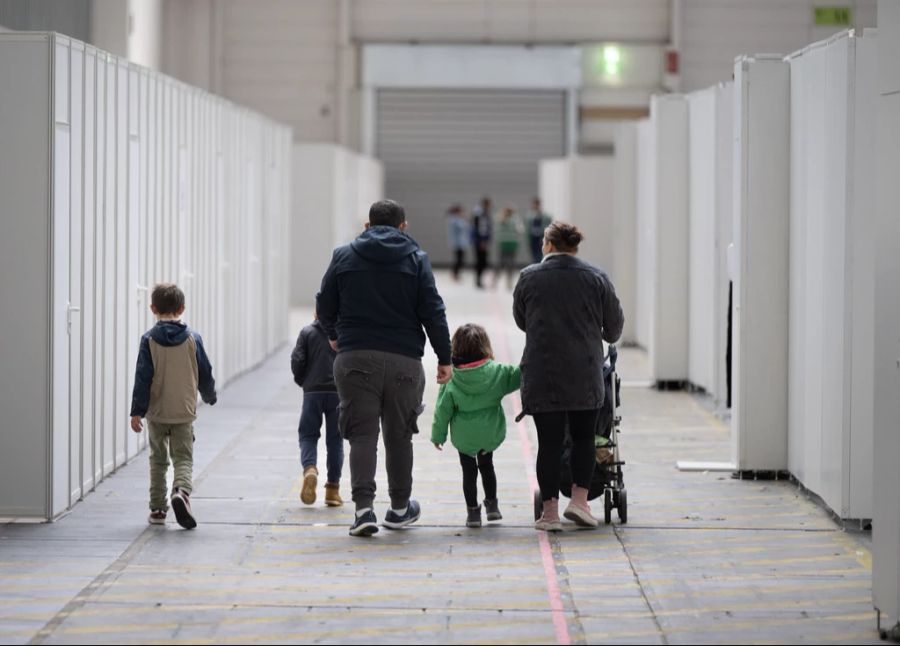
333 495
309 481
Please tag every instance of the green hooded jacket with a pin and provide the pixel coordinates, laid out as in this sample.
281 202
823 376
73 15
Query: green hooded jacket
470 405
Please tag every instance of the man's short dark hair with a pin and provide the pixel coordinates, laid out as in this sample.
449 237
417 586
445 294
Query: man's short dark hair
167 298
386 213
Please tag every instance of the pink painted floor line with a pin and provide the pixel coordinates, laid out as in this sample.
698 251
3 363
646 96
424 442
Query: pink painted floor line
556 604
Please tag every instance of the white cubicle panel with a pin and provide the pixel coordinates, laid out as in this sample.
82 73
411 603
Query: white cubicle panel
645 208
886 520
624 193
579 189
333 190
710 152
760 295
662 238
141 179
832 291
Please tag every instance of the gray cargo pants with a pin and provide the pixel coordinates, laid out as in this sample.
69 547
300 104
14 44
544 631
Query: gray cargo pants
379 387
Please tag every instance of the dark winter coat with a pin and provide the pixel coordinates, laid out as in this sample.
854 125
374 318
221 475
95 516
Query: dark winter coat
566 307
379 294
312 360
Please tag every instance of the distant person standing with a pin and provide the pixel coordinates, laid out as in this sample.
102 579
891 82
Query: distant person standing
482 234
538 221
509 235
460 237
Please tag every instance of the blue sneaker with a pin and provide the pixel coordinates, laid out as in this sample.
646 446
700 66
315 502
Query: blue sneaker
393 520
365 525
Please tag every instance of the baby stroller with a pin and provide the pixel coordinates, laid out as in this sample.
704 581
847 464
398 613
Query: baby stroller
607 481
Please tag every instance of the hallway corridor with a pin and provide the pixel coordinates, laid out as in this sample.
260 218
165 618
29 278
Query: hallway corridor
704 558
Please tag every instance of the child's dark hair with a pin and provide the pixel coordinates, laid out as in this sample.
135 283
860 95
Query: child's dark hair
471 343
167 298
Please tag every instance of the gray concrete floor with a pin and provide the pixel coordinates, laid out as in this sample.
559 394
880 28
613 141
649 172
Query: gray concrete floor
704 558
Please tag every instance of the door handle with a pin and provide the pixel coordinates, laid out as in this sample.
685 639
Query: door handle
69 309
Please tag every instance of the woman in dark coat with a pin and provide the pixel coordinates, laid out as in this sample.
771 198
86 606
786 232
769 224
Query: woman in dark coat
567 308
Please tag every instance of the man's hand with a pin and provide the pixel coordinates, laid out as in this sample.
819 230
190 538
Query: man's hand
439 447
333 344
444 374
136 425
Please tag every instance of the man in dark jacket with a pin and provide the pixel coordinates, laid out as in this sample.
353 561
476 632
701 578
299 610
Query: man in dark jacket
377 302
312 363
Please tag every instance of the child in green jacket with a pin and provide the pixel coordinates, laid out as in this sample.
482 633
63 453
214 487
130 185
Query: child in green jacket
470 406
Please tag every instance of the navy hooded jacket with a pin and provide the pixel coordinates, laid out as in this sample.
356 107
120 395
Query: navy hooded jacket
379 294
150 394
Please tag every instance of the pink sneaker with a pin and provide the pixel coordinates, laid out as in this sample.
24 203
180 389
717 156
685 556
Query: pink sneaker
581 515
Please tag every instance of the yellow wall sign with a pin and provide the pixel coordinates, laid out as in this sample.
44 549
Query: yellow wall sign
834 16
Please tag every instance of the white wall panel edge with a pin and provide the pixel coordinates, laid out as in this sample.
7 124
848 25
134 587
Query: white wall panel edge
761 206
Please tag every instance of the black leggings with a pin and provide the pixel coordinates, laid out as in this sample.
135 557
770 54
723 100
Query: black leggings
551 431
458 264
471 466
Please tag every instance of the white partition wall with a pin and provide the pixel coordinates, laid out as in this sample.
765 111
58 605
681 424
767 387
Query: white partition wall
662 238
832 292
710 215
645 207
624 265
579 189
333 190
761 229
886 521
117 178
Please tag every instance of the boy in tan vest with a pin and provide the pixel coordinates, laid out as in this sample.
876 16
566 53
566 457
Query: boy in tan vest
172 367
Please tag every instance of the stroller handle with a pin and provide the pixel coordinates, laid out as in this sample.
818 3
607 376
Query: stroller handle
612 355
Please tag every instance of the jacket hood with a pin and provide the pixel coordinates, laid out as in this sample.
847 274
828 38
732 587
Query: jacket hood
170 333
474 381
384 245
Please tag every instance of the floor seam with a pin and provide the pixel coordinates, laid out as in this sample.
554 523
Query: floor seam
637 579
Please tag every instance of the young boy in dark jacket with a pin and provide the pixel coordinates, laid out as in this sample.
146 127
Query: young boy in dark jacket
312 363
172 367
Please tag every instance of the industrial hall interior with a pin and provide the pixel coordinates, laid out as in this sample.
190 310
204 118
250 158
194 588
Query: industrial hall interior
449 321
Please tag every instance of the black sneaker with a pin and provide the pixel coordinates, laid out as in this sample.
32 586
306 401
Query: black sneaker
365 525
181 505
393 520
492 509
473 519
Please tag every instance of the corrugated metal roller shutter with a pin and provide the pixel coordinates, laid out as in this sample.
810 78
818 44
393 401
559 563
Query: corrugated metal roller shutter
445 146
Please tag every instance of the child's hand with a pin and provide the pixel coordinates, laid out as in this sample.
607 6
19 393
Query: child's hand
439 447
136 425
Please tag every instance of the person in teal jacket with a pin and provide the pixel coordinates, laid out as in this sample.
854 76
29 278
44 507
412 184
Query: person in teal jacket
470 406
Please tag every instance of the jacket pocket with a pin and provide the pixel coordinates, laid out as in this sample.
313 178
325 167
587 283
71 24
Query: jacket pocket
344 420
413 422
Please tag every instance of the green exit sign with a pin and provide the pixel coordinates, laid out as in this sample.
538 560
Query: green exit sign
834 16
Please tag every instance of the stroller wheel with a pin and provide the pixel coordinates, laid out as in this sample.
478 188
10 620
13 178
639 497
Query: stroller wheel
622 507
538 505
607 506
